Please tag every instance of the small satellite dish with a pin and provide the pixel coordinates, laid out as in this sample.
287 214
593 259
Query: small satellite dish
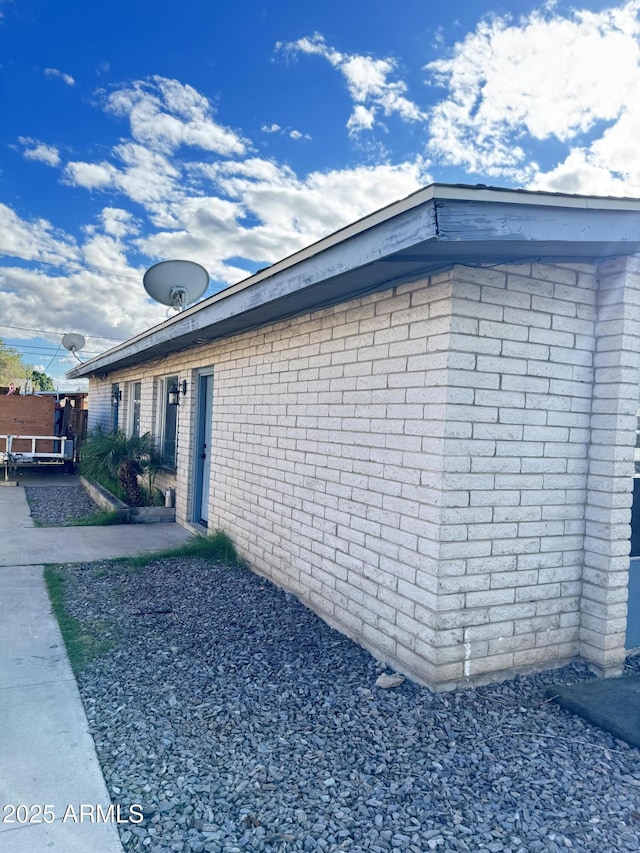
176 283
73 343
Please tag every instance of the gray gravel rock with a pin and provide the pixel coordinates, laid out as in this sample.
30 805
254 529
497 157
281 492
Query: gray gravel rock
54 506
239 721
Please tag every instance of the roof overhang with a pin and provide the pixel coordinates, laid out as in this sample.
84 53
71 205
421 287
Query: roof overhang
430 230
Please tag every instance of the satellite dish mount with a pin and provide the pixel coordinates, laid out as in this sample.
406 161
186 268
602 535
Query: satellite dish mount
179 298
176 283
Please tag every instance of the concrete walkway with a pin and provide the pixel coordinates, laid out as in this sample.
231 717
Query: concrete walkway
23 544
48 762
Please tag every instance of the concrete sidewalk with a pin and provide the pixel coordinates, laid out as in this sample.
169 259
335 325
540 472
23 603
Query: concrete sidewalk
22 544
47 755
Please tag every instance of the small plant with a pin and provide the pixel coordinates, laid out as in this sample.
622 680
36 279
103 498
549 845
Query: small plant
125 459
97 519
153 497
218 546
82 646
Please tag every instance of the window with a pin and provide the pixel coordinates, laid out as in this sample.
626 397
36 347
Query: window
135 399
116 396
168 421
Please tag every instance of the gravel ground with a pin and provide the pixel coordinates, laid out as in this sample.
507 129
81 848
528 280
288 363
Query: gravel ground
239 721
53 506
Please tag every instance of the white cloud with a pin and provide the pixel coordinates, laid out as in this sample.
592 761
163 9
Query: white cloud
297 134
118 223
287 212
91 176
93 304
35 239
580 173
217 210
362 118
90 285
292 134
545 77
254 168
147 176
53 287
269 212
66 78
609 166
48 154
142 174
215 207
115 222
368 82
165 114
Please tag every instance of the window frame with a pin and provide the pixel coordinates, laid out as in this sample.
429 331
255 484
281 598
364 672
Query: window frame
164 414
134 407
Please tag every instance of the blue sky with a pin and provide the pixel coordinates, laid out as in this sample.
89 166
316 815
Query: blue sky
233 136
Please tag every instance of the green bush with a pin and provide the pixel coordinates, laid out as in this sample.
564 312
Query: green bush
124 460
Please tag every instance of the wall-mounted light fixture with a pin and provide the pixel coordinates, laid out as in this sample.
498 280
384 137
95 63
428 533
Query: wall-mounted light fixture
116 395
174 392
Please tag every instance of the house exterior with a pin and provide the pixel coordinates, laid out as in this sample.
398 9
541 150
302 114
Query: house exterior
423 426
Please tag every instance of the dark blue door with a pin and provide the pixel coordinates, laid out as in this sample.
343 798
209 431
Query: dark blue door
203 449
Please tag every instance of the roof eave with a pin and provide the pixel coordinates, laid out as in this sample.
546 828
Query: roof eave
433 228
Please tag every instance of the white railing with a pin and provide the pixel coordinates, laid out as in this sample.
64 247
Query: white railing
11 458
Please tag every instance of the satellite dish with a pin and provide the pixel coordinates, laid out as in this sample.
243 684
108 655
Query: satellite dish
73 343
176 283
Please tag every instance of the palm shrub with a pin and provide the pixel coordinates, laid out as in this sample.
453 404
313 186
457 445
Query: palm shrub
124 459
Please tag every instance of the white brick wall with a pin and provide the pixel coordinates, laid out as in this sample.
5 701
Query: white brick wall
99 402
337 444
610 472
519 569
415 464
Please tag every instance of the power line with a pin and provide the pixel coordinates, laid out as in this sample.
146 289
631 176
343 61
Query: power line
42 347
68 263
37 356
47 352
53 332
52 359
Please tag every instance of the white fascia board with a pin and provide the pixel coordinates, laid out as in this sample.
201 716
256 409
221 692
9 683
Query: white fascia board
470 221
